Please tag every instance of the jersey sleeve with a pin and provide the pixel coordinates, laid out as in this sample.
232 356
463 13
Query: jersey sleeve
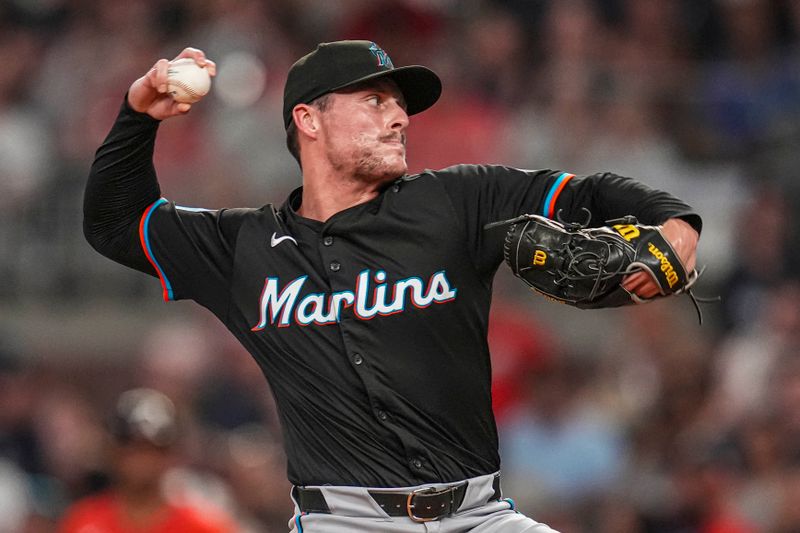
122 183
608 196
481 194
191 250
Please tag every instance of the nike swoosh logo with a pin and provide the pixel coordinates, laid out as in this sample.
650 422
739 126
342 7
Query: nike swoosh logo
275 240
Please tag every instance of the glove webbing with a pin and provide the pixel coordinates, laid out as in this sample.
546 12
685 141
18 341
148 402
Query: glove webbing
599 263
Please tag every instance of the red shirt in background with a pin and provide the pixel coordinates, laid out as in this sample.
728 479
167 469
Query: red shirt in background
104 514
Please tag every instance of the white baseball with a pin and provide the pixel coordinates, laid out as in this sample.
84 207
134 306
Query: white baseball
187 82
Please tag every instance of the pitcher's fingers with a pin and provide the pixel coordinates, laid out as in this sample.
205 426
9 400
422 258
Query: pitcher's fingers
151 78
648 290
195 53
642 285
200 58
160 75
632 282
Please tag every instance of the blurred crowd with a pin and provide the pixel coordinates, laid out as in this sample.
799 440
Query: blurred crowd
627 420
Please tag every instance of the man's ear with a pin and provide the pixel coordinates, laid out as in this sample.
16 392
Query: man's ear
306 119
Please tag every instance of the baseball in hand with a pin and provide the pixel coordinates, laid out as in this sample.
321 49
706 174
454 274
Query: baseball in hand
187 82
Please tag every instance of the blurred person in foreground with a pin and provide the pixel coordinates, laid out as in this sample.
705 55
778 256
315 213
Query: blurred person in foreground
384 397
144 432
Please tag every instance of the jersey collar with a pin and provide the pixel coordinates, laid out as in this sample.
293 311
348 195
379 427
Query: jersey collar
295 199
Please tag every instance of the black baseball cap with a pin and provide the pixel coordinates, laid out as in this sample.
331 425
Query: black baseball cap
336 65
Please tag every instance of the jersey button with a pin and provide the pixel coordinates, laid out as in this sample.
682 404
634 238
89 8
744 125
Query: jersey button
328 240
357 359
416 463
335 266
382 415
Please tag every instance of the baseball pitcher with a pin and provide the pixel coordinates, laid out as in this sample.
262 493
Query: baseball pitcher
365 296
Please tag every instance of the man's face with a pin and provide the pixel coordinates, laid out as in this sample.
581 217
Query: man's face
364 131
140 465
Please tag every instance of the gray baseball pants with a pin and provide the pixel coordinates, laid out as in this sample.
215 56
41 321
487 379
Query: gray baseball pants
353 510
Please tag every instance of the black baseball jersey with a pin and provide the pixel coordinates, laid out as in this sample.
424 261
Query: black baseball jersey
371 326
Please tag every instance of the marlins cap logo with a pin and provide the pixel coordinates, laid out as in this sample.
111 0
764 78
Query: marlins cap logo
383 58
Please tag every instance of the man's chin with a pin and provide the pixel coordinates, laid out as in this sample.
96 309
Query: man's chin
397 172
389 172
381 169
399 165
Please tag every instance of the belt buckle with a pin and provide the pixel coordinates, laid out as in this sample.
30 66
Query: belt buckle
427 490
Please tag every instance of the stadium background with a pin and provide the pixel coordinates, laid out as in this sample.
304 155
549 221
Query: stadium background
624 420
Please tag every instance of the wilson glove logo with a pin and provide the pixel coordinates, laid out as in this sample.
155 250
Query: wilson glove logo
628 231
372 297
666 266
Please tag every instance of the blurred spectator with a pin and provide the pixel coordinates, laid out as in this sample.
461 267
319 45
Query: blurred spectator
177 355
761 260
144 429
557 120
494 48
752 98
520 348
751 361
252 458
414 29
707 476
25 149
560 446
19 441
762 489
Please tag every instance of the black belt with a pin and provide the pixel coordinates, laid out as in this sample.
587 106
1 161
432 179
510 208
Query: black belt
421 505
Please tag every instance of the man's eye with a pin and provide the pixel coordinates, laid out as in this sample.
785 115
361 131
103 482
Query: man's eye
375 99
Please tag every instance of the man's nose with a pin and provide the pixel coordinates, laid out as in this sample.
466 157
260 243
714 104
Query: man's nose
398 118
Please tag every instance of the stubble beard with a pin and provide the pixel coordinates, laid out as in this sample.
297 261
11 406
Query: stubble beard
364 164
374 168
